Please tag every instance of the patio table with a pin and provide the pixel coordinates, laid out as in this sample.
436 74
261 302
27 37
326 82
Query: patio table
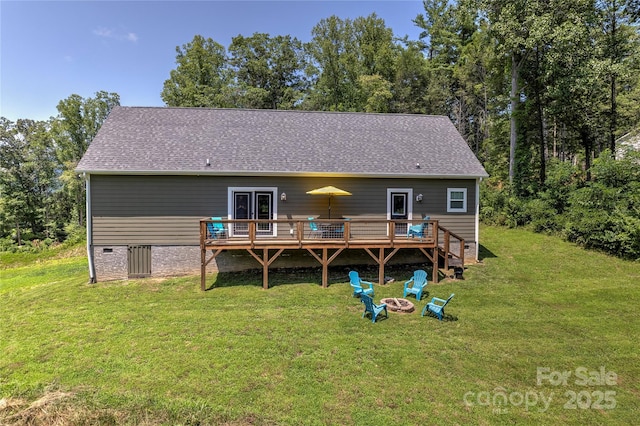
332 230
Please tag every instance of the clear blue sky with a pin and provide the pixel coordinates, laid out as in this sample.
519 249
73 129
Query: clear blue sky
52 49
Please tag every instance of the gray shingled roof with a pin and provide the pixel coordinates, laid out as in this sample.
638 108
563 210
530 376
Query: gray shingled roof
160 140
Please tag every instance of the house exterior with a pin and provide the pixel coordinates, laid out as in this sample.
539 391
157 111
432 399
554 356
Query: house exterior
630 141
152 173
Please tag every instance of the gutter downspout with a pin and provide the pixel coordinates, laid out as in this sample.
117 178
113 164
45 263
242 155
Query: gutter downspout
478 218
92 270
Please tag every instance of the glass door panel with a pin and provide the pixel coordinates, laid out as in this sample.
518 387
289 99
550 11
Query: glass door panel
264 210
241 209
399 210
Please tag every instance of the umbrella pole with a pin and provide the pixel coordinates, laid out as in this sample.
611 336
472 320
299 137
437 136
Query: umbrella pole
329 206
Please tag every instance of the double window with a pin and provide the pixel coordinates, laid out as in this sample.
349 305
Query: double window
456 200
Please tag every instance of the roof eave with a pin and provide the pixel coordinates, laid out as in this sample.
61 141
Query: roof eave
277 173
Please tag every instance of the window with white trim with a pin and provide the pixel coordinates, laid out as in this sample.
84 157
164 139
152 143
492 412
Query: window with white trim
457 200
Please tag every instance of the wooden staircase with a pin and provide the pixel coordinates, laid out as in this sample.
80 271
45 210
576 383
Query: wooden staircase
450 253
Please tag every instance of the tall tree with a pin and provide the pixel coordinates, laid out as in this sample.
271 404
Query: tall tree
411 80
377 54
511 22
475 75
74 128
27 176
377 93
441 42
447 28
269 70
439 30
201 77
578 91
618 41
333 52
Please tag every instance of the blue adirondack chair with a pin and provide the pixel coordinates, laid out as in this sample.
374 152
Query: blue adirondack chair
436 306
216 229
315 231
420 230
357 284
418 284
338 232
372 308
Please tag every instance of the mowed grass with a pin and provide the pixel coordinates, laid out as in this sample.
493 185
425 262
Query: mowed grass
156 351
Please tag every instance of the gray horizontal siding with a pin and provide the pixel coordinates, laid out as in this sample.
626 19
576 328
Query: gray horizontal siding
462 225
167 209
154 230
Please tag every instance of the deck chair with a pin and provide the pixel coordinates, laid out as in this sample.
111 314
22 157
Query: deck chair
420 230
436 306
216 229
372 308
337 232
419 283
315 231
356 282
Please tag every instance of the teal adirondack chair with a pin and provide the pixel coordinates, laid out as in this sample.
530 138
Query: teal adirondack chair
357 284
216 229
420 230
436 306
419 283
315 230
372 308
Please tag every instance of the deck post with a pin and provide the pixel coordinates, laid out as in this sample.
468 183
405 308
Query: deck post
203 270
436 255
381 262
203 257
447 248
325 269
265 268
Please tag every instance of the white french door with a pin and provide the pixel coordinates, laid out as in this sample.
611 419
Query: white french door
399 207
253 203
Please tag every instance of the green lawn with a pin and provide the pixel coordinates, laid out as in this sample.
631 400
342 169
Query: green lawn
163 352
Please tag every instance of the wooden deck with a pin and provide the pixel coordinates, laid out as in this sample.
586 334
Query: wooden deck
381 239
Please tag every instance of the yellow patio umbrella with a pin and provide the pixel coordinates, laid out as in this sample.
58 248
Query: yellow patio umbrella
330 191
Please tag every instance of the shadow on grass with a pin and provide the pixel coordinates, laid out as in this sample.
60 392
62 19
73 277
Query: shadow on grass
445 317
485 253
380 317
311 275
277 277
425 296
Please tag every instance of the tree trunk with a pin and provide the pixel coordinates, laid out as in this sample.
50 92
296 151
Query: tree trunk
18 234
586 143
613 123
543 145
614 55
514 105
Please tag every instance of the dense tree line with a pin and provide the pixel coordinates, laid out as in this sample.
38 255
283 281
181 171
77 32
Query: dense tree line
42 198
535 88
523 81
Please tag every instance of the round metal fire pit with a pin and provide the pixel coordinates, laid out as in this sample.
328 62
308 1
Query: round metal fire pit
396 304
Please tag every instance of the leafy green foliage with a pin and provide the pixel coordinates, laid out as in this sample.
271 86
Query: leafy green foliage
200 77
605 213
40 192
601 214
27 178
77 123
268 71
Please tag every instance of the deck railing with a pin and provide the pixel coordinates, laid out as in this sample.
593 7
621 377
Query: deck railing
261 232
452 247
325 239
